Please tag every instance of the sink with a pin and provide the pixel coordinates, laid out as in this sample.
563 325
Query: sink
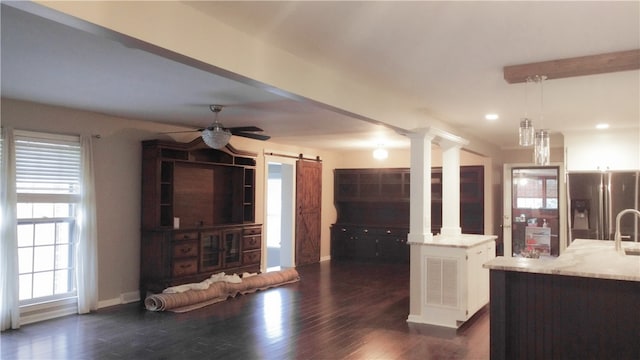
635 252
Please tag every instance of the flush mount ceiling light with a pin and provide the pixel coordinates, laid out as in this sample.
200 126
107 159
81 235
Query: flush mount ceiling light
491 117
380 153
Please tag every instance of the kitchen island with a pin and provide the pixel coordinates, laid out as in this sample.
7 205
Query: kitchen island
583 304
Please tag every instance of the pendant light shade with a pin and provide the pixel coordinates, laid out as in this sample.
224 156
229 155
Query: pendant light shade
542 150
526 132
216 136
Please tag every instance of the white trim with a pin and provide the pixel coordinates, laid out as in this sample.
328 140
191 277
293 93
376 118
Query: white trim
48 310
46 136
129 297
325 258
124 298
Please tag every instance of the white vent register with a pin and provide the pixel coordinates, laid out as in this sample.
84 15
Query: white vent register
442 281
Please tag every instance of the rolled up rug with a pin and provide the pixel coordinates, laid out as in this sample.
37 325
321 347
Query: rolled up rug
196 298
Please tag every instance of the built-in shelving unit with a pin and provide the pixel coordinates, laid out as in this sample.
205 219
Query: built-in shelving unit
373 210
198 213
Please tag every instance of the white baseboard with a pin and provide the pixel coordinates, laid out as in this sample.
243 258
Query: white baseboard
129 297
325 258
53 309
124 298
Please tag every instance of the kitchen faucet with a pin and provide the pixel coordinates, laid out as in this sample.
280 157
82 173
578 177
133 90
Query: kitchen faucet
618 236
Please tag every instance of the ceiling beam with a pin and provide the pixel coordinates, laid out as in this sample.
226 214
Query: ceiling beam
577 66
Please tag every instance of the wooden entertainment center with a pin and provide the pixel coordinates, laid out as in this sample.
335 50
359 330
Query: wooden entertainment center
373 211
198 213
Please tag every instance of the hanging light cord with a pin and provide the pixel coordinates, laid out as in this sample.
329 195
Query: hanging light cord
541 79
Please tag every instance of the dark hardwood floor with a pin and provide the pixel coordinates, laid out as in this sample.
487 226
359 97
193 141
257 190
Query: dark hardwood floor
337 311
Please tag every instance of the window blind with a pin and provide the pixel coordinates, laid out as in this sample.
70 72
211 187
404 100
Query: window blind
47 164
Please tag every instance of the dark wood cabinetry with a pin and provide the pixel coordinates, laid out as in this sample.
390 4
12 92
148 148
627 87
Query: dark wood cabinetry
471 199
198 213
373 211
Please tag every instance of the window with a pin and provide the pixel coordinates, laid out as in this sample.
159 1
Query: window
535 189
47 184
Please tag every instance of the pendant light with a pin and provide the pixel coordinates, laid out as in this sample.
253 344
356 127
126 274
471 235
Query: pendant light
542 146
526 130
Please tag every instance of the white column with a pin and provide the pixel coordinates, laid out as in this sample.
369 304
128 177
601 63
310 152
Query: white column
419 216
420 202
450 188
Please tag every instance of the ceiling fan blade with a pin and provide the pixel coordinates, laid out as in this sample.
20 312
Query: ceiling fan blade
252 136
244 128
181 132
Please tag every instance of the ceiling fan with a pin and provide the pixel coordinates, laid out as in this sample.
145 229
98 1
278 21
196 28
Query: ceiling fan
217 136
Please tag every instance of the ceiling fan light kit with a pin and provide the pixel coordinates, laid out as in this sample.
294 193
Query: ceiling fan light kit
216 136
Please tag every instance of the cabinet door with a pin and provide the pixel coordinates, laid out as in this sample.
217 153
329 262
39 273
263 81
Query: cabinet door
211 250
393 248
232 248
339 241
365 247
478 277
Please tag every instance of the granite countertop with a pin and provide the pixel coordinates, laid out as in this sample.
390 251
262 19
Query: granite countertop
584 258
458 241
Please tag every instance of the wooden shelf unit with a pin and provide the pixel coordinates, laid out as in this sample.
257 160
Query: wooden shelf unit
211 193
373 210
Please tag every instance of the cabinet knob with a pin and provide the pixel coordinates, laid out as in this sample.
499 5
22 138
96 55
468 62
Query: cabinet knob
185 266
185 236
388 231
365 231
185 250
343 229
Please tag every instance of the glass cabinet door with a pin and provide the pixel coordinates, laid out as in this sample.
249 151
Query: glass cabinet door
232 251
210 250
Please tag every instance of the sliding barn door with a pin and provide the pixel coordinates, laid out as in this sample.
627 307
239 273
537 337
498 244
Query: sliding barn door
308 196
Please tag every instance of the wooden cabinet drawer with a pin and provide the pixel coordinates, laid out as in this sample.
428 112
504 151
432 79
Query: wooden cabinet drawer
251 257
252 231
251 242
186 235
185 267
185 249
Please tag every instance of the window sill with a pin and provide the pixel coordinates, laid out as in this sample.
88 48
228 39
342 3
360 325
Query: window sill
48 310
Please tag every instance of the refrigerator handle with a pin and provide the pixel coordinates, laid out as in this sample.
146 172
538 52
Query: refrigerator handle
607 218
603 209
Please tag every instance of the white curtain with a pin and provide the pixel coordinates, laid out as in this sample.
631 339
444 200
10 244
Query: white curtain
86 232
9 298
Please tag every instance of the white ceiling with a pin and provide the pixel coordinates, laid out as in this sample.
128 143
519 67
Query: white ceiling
449 55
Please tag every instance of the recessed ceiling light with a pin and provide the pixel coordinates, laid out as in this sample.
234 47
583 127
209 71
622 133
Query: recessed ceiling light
602 126
491 116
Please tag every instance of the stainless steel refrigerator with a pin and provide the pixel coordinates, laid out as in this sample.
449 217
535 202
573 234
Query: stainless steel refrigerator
596 198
